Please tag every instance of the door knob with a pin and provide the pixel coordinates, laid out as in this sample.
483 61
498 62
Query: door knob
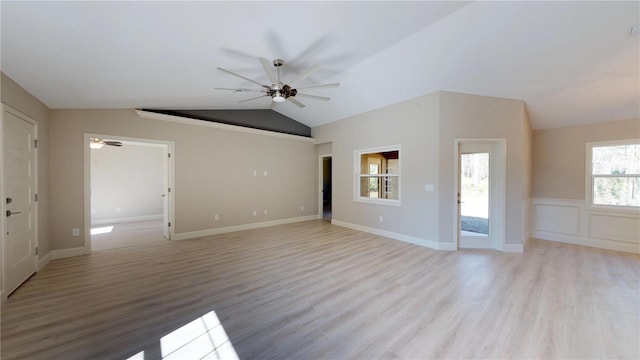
9 212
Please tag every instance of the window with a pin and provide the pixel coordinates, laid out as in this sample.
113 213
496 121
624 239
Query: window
378 175
614 173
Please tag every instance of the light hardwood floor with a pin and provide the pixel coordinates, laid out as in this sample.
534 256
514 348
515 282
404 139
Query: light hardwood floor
313 290
127 234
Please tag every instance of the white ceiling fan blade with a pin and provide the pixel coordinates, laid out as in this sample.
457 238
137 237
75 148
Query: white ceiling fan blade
268 69
303 75
320 86
255 98
240 90
241 77
323 98
298 103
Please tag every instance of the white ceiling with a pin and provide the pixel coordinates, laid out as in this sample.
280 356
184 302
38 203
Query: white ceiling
571 62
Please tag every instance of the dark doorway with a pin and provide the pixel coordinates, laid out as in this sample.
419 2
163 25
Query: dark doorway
326 188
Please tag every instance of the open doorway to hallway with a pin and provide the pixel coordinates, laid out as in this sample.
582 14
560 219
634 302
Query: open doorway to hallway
129 193
325 190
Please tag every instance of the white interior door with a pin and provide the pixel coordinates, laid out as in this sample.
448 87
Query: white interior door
19 246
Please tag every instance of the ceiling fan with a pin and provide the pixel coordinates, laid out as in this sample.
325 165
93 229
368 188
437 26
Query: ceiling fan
279 91
97 143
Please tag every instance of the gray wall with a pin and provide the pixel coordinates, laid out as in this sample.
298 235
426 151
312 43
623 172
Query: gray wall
425 128
213 172
414 125
559 156
127 182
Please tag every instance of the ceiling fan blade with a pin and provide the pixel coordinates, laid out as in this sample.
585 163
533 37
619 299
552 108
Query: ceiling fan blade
319 86
240 90
112 143
323 98
255 98
268 69
241 77
303 75
298 103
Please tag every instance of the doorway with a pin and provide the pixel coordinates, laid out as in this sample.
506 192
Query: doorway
129 192
19 199
480 184
325 197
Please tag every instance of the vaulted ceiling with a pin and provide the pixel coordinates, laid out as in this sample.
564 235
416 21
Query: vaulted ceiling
571 62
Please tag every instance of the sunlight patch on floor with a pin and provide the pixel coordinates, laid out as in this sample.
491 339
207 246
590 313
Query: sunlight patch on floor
101 230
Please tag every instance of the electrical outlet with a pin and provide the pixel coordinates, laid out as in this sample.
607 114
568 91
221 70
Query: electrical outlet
216 217
75 232
301 207
381 218
255 213
266 173
265 211
255 173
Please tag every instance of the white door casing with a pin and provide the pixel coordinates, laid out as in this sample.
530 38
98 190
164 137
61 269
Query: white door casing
19 244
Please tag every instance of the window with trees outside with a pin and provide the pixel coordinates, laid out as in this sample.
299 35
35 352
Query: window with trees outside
378 175
614 173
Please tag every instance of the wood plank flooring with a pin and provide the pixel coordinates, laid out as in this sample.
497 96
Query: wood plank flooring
127 234
317 291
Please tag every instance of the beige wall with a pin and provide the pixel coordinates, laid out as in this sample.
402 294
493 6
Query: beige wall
426 128
471 116
213 172
414 125
127 182
18 98
559 156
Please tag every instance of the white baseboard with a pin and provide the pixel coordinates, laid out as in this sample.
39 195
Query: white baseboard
513 248
396 236
126 219
43 261
227 229
597 243
65 253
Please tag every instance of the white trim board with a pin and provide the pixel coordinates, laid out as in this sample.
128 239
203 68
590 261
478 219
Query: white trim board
228 229
43 261
396 236
65 253
126 219
203 123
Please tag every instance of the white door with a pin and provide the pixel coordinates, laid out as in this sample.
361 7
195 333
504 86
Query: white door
19 246
166 196
474 190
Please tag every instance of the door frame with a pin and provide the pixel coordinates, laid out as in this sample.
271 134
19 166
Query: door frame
3 208
497 191
170 176
320 180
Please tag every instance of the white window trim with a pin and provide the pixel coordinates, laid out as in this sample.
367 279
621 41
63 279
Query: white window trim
588 183
356 176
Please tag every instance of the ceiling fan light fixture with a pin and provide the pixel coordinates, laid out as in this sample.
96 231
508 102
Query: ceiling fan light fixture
278 97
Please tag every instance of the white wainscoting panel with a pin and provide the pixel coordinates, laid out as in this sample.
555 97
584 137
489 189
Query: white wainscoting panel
570 221
560 218
618 227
